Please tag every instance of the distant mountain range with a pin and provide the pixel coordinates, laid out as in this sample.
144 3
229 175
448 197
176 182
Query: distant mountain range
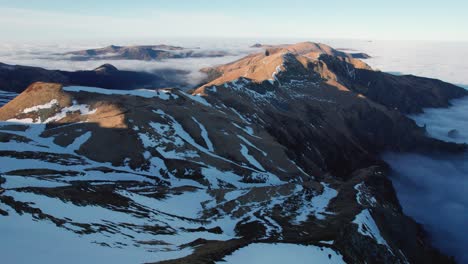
281 146
148 52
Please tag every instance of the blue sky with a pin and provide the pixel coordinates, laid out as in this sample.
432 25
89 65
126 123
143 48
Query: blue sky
361 19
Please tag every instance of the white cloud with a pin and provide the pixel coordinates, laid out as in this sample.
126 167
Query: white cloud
433 191
432 188
50 56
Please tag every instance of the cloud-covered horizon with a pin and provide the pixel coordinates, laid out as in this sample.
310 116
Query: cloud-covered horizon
184 71
433 189
406 57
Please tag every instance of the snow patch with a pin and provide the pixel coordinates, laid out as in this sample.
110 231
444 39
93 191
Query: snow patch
317 206
245 152
362 195
240 116
275 73
282 253
197 98
161 94
368 227
75 107
79 141
36 108
204 134
252 145
249 130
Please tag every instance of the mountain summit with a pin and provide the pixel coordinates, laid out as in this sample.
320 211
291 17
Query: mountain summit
106 68
310 63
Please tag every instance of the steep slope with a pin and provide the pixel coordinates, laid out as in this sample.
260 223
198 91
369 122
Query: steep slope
407 93
275 149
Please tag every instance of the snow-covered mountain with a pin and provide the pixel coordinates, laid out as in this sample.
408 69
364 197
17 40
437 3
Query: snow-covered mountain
279 147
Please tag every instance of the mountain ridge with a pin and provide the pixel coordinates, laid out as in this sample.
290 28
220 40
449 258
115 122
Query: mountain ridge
16 78
342 71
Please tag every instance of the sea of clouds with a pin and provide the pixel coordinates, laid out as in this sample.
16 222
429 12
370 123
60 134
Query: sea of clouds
431 189
434 189
440 60
185 72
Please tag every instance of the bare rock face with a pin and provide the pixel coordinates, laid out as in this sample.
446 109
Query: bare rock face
281 148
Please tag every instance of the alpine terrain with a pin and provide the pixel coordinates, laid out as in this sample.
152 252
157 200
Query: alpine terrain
279 148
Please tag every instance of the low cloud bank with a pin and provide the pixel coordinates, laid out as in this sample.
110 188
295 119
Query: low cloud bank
434 192
434 189
184 72
448 124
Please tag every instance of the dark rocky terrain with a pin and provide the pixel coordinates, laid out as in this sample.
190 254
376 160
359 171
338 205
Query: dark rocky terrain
280 146
405 93
16 78
148 52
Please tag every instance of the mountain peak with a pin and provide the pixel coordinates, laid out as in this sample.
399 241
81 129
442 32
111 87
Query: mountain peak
113 47
106 68
295 59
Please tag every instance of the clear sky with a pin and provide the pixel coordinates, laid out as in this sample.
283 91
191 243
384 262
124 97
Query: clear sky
53 20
